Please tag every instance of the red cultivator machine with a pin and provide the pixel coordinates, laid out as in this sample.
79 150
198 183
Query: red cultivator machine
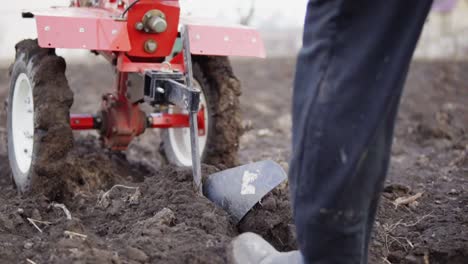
178 65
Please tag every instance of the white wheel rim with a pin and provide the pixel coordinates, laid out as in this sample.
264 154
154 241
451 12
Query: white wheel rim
180 137
22 123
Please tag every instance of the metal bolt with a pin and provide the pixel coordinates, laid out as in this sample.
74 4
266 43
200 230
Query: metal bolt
160 90
197 36
114 31
254 40
226 38
139 26
46 28
82 30
25 151
157 24
77 121
151 46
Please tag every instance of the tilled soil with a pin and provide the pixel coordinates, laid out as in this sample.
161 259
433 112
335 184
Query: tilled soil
134 208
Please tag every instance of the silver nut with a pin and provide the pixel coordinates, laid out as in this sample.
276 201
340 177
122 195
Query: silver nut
157 24
151 46
139 26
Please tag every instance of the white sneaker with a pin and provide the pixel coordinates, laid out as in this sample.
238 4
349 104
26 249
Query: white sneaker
249 248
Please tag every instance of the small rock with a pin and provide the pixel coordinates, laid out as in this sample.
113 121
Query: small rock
135 197
453 192
413 205
116 207
104 200
165 217
28 245
422 160
136 254
104 256
269 204
264 132
36 215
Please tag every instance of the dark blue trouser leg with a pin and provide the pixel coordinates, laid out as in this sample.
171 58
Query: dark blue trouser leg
349 79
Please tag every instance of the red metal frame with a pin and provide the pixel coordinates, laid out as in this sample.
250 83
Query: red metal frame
82 122
103 28
157 120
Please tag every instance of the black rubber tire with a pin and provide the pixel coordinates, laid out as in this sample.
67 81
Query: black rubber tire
222 90
53 137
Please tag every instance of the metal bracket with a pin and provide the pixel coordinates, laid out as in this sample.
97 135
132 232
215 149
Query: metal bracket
196 162
167 87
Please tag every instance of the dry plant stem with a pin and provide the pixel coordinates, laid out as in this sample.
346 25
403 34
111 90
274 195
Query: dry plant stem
119 186
72 234
406 200
386 260
106 194
388 229
33 222
30 261
64 208
417 221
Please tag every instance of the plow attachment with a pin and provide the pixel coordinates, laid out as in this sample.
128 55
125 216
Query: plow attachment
238 189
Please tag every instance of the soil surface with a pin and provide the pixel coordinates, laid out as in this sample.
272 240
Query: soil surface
134 208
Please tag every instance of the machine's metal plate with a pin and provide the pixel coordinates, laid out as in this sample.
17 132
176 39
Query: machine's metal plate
81 28
208 37
238 189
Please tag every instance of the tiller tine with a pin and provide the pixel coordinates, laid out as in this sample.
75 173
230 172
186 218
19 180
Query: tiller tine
237 190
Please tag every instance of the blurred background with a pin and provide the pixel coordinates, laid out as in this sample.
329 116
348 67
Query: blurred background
445 35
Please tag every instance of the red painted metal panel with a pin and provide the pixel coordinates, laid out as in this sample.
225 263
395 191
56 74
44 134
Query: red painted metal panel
81 28
211 38
164 40
81 122
125 65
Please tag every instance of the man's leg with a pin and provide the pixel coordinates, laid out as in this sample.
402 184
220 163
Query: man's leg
349 79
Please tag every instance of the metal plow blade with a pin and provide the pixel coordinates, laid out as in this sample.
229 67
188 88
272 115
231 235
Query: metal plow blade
238 189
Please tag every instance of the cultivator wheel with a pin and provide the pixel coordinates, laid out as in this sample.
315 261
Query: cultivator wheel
220 91
39 135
